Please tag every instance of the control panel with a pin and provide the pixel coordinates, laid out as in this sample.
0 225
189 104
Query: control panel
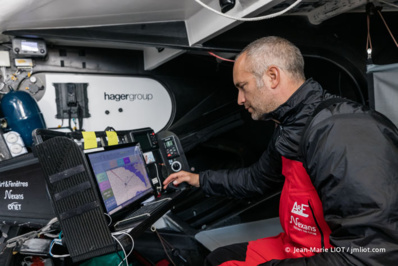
29 47
172 153
162 152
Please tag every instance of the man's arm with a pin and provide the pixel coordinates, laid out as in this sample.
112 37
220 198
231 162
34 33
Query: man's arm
353 164
261 178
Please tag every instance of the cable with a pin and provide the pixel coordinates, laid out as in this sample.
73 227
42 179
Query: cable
7 46
58 242
124 252
80 116
159 188
51 235
62 123
110 218
164 243
18 240
132 242
48 225
221 58
388 29
369 47
250 19
387 3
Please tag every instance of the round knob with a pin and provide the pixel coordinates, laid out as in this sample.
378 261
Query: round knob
176 166
12 137
33 79
16 148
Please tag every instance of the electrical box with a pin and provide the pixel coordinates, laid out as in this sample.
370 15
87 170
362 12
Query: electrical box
29 47
23 62
72 100
4 59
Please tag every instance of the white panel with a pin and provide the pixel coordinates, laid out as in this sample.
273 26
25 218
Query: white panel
76 13
154 109
201 24
4 59
386 93
205 24
332 9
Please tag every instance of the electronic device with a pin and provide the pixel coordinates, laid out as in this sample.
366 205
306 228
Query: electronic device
156 148
25 200
72 100
173 156
123 183
163 154
121 176
78 198
29 47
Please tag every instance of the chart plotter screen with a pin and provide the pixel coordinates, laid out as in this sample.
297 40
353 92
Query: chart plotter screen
121 176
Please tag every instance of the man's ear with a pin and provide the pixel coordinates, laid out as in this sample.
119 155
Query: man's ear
273 76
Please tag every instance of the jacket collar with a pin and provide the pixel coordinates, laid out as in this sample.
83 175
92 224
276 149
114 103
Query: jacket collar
306 96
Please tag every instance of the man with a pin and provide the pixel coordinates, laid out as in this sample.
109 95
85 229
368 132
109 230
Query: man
339 203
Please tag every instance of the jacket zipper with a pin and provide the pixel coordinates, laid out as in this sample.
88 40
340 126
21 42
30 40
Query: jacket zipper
317 225
280 131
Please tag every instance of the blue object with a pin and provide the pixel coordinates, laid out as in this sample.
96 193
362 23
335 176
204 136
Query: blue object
22 113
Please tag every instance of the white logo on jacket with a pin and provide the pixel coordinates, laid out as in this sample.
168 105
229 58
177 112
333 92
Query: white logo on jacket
299 209
302 227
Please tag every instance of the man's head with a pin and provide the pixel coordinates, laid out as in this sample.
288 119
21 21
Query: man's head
267 72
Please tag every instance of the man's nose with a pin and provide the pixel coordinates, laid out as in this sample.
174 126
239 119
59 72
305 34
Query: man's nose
241 98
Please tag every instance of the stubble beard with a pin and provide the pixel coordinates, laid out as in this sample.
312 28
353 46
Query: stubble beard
258 114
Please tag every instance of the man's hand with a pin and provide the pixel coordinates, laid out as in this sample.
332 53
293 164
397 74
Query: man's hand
182 176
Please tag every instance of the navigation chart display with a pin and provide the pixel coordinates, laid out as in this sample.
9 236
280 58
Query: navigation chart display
121 176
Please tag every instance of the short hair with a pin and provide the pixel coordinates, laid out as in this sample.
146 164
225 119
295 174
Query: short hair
273 50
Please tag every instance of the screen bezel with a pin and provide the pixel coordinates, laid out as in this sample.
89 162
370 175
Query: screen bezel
27 168
144 140
133 203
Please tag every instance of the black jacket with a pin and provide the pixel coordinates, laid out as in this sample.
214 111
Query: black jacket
351 155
